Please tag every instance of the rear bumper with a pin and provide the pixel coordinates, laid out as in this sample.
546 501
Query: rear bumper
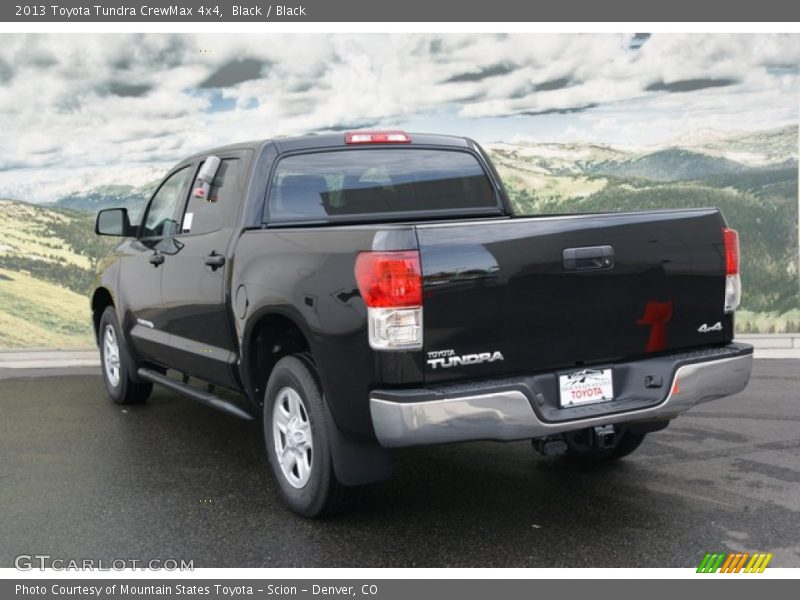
516 409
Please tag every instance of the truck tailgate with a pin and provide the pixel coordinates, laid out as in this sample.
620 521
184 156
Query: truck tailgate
527 294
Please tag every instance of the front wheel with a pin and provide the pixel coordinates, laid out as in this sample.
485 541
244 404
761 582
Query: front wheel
297 438
116 363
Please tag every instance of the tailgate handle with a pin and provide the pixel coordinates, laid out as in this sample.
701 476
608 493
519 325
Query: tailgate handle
587 258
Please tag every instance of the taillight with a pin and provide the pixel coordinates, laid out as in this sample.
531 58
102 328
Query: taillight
377 137
731 238
733 284
391 286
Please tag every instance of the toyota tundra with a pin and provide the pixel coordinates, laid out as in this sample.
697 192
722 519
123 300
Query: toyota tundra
366 291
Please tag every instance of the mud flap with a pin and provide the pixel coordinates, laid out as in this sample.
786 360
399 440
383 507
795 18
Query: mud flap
355 463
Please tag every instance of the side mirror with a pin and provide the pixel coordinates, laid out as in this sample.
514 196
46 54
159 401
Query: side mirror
114 221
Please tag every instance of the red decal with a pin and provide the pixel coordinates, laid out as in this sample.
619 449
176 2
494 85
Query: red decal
657 315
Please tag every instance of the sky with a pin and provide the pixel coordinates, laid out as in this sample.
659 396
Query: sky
78 110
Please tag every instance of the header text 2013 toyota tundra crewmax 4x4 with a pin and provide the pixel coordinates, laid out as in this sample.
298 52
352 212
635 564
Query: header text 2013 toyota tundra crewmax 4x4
374 290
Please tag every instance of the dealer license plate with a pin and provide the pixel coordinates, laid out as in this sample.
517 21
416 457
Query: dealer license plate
586 386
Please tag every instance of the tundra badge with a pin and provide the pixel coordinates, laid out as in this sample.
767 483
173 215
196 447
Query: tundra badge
448 358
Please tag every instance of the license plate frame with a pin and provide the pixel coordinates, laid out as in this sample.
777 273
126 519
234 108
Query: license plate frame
585 386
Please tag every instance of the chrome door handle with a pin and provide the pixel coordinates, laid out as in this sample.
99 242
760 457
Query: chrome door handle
215 261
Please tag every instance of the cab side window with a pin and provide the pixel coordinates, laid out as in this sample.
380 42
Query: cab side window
160 220
207 214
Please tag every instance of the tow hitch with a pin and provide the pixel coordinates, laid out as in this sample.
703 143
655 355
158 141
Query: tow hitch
604 436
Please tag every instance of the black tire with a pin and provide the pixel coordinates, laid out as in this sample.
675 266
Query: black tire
578 451
122 388
320 494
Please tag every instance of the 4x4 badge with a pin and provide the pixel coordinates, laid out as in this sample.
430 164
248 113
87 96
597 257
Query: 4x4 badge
704 328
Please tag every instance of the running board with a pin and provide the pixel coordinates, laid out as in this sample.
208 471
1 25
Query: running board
202 397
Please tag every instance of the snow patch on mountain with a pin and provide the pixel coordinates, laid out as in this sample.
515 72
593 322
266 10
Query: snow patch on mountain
48 185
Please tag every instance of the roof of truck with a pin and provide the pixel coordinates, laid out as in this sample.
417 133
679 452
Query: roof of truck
329 140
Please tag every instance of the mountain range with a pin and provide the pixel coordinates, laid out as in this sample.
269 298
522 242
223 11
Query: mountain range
702 155
48 249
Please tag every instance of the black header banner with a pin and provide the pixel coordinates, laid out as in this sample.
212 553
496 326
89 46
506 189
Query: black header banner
333 11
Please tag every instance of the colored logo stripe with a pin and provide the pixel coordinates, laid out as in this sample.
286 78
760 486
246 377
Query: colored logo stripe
728 561
741 562
758 563
710 563
703 563
734 562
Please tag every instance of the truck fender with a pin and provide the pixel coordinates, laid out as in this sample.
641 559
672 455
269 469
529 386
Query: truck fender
354 463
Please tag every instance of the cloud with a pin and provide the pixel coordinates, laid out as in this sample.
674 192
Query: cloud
234 72
689 85
638 40
482 73
128 90
81 101
364 124
552 84
6 72
560 111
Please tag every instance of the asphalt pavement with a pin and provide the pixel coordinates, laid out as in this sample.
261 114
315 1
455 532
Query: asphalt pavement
83 478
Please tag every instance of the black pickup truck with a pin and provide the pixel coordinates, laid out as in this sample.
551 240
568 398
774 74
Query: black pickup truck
374 290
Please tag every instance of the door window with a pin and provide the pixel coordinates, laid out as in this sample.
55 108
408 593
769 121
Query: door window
207 214
160 219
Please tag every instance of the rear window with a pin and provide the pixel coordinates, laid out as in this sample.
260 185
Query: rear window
349 183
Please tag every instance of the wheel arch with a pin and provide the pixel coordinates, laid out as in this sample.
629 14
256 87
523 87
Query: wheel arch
102 298
271 334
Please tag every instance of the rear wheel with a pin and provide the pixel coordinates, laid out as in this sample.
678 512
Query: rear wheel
297 438
116 363
580 447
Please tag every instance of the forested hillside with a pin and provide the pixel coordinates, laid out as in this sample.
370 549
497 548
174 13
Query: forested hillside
48 252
